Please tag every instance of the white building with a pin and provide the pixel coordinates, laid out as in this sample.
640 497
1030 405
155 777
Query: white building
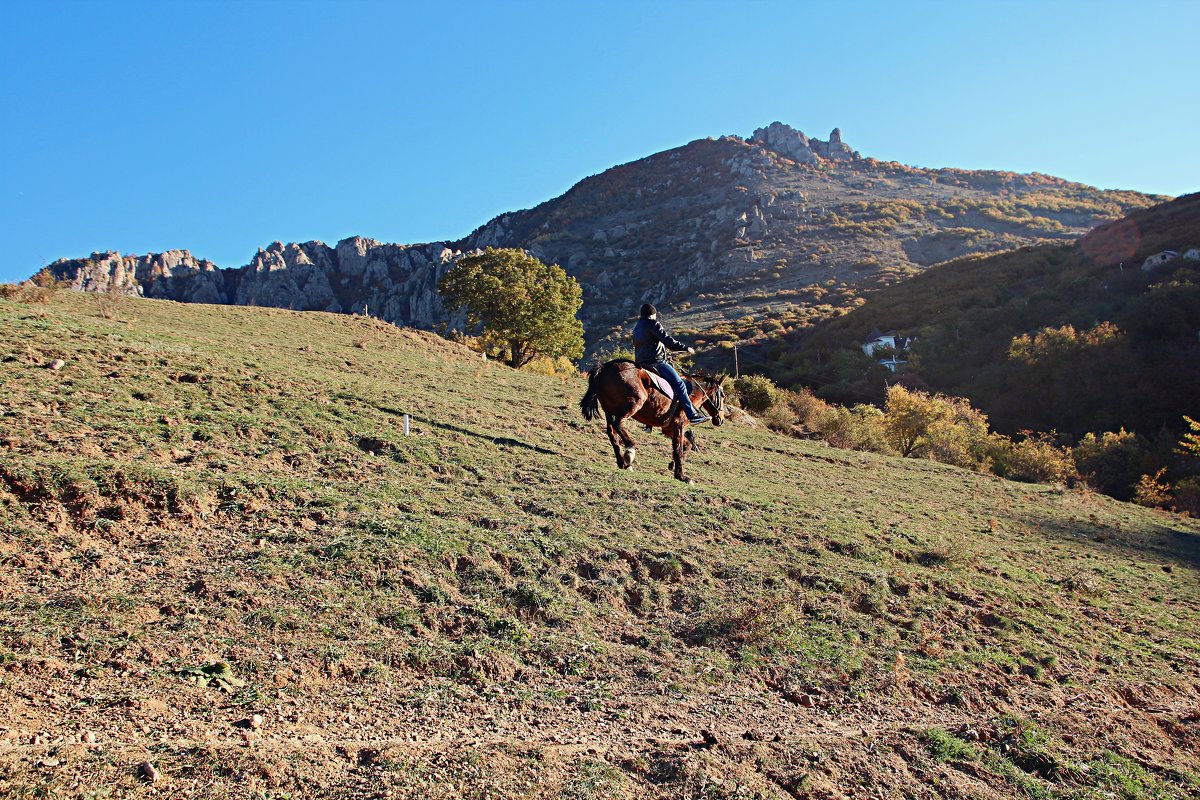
893 343
1158 259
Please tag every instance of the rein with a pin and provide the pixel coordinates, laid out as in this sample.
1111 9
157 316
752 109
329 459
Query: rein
699 381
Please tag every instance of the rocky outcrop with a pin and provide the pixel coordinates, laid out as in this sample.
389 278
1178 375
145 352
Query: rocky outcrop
396 283
174 275
793 144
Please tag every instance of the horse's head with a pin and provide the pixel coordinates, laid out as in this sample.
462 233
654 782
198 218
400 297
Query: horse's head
714 397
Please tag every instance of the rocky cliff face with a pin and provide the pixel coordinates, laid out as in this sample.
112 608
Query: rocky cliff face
174 275
393 282
780 227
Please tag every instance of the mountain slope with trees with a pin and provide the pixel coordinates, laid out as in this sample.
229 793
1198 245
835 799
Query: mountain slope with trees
1074 338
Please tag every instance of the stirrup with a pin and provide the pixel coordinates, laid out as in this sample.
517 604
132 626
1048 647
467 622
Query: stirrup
698 418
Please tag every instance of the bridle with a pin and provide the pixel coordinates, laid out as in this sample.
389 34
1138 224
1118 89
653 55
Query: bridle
700 380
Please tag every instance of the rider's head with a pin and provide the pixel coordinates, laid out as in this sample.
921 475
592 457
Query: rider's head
649 310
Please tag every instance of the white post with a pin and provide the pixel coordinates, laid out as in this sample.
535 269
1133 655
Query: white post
406 424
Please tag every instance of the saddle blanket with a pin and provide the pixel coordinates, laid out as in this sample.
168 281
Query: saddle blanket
662 385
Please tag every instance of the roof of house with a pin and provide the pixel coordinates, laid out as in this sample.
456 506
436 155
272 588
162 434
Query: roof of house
877 334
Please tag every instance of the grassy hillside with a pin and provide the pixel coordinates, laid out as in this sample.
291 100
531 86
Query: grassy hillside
222 559
965 315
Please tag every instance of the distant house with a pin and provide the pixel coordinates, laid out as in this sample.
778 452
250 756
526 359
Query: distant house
1158 258
893 344
1193 254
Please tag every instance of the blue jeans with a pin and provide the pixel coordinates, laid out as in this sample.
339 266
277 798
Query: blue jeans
668 373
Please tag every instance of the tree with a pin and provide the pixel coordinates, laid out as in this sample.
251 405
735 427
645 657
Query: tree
523 305
909 417
1189 445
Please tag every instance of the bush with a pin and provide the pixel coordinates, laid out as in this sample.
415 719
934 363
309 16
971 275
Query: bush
755 393
857 428
616 354
544 365
1151 491
1112 463
1187 497
959 435
945 429
1032 459
806 406
780 418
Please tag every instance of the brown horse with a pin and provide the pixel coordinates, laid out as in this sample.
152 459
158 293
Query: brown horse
626 391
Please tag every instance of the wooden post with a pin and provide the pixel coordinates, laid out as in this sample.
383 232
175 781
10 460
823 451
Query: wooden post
406 424
736 373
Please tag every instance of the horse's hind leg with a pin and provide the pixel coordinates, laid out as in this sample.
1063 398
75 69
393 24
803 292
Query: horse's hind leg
678 448
627 440
611 430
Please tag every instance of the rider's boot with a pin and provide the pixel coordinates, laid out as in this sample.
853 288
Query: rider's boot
693 416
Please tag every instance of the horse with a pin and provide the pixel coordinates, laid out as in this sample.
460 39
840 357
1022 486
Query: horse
624 390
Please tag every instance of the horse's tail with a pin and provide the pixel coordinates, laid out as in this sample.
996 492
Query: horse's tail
590 404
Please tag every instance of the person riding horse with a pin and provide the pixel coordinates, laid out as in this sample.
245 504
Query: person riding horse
651 342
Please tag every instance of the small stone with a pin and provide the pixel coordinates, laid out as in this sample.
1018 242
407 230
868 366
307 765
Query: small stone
56 365
149 772
256 721
87 737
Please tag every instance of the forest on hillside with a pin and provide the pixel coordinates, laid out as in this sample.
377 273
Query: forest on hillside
1066 338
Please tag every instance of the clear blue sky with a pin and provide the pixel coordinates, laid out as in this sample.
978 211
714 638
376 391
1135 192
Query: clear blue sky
220 127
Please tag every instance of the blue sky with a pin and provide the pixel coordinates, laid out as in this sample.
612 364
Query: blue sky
220 127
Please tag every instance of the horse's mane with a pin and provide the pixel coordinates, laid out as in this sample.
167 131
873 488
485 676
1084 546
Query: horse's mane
701 375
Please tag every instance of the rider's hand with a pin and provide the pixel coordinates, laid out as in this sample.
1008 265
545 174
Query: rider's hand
691 350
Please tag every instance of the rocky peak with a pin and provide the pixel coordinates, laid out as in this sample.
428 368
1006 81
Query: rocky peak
791 143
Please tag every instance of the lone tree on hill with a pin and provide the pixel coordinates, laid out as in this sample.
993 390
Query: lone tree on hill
523 305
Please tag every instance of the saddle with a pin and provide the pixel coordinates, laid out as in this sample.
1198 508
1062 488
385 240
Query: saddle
661 384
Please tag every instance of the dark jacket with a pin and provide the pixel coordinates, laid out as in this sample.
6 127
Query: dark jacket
649 339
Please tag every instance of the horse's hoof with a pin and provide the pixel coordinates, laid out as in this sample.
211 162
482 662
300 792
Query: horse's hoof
630 455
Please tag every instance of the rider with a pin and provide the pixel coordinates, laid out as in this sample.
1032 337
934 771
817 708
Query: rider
650 354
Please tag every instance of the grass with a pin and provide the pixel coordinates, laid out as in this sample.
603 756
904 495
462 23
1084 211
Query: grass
239 514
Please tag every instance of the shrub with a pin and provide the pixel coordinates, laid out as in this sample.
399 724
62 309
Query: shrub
806 406
1112 462
755 393
857 428
1032 459
617 353
1187 496
1152 491
779 417
544 365
959 435
945 746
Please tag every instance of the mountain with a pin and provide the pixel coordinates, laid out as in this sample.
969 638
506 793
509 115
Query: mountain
733 238
223 559
1073 337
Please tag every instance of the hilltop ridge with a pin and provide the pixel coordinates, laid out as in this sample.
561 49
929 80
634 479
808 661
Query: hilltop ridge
734 238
